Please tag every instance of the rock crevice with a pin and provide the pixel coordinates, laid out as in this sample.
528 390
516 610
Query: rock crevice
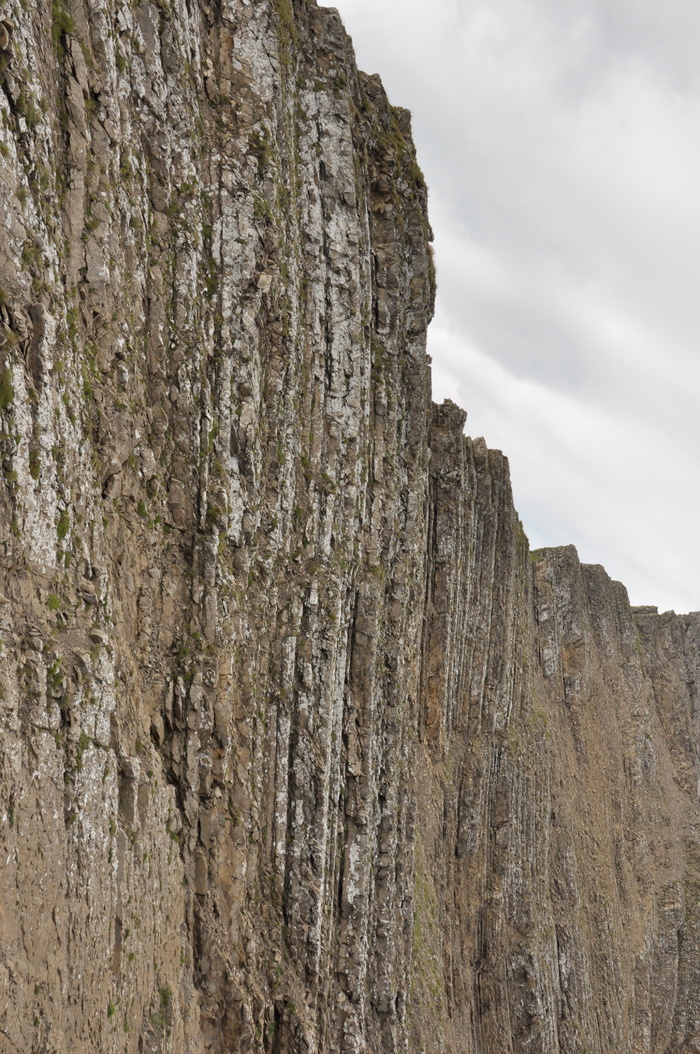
301 749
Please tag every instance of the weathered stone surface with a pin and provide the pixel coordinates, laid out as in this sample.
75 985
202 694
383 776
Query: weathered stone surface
557 857
300 748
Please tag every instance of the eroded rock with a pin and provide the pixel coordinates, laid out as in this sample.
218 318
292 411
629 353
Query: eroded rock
302 750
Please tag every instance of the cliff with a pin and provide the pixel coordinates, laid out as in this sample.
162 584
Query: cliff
301 749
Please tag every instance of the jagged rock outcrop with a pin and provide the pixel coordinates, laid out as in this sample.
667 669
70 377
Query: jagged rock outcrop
557 860
301 749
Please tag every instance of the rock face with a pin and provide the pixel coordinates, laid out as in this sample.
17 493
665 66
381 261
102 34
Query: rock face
301 749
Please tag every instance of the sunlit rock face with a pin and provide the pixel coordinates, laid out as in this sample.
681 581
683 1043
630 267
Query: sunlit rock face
301 749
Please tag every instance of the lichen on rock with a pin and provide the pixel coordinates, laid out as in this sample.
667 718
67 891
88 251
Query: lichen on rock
301 749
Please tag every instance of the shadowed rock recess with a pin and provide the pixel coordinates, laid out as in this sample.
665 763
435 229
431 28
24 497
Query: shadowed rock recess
302 751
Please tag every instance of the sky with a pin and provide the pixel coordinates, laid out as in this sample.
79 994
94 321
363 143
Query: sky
561 147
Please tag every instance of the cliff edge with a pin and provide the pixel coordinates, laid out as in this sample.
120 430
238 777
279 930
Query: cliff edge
301 749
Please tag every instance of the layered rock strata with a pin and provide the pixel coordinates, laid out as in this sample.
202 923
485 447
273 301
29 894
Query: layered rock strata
301 749
556 883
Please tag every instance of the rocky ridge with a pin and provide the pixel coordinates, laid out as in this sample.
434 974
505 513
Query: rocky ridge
302 749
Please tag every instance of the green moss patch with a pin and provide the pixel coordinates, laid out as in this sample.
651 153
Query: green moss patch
7 391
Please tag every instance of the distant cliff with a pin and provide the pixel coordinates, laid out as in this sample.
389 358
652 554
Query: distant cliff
301 750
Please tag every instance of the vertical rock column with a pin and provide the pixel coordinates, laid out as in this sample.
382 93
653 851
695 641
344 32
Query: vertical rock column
215 283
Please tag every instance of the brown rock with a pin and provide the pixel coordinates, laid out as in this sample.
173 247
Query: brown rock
343 767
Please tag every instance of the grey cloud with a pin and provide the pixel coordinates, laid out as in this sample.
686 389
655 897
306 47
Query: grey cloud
663 35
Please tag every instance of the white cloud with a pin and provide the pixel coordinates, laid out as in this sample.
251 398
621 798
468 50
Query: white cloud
561 143
579 475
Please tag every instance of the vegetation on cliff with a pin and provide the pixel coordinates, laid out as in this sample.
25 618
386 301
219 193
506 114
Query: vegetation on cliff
301 750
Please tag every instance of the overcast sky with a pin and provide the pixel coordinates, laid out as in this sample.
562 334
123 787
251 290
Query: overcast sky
561 146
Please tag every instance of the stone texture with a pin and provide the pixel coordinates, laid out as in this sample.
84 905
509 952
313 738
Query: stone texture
557 857
301 749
